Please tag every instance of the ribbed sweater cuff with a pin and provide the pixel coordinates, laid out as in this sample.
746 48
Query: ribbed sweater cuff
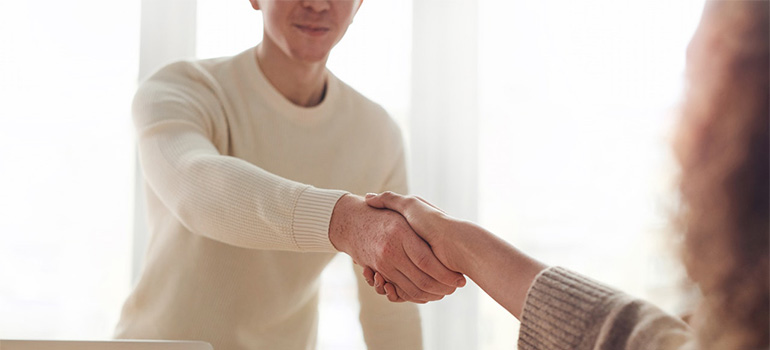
312 214
562 310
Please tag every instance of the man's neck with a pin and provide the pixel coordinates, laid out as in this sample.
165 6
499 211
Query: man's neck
302 83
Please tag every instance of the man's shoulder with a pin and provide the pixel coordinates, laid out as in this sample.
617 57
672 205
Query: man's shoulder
190 71
186 80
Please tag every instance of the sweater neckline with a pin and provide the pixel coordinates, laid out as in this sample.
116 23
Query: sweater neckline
304 116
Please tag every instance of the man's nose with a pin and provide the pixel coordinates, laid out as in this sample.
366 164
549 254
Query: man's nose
316 5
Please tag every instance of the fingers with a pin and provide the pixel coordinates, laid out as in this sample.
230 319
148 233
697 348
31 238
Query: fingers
400 293
413 293
424 283
423 258
379 284
387 200
397 295
388 289
429 203
394 201
382 287
369 276
392 293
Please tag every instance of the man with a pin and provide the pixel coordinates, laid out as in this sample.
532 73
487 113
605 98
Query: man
251 163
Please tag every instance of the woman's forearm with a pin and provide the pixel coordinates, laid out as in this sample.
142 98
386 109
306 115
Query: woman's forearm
501 270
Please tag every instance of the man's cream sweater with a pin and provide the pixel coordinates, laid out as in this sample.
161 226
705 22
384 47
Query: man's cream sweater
241 184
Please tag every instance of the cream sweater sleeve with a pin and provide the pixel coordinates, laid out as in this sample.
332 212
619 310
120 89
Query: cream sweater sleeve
178 116
564 310
388 325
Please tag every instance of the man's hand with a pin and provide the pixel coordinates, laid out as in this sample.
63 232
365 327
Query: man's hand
441 231
432 224
383 241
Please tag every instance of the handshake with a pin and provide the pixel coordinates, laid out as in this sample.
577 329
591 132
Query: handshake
410 250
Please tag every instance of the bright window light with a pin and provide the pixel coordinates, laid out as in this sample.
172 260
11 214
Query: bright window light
578 100
66 180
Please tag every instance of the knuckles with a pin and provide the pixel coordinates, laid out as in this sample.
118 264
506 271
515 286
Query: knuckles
384 252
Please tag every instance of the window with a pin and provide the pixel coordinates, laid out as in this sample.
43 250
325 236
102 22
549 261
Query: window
67 75
577 104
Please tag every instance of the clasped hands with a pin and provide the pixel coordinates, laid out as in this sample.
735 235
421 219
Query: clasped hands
400 242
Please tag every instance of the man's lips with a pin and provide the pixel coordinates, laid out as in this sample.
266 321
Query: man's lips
312 30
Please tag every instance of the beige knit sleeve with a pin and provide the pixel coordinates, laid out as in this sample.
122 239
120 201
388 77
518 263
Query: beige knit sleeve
221 197
564 310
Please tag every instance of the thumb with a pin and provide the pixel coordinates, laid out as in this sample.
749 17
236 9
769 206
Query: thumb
387 200
374 200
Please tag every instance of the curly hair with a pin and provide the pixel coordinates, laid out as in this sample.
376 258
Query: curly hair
723 150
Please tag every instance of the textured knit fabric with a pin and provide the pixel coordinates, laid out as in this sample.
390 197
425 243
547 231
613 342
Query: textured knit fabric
564 311
241 184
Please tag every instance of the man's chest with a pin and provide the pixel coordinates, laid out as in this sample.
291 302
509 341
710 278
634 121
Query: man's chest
324 159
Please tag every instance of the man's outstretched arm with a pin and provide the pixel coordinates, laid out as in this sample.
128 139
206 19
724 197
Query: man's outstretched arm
179 136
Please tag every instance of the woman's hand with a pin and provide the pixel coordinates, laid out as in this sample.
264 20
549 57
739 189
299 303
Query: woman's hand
496 266
437 228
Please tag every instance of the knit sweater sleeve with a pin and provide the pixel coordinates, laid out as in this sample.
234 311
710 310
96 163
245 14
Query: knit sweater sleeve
564 310
178 114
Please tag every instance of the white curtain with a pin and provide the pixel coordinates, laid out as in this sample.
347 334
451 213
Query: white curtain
443 124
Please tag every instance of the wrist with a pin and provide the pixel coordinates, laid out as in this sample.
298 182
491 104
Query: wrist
472 242
499 268
340 221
